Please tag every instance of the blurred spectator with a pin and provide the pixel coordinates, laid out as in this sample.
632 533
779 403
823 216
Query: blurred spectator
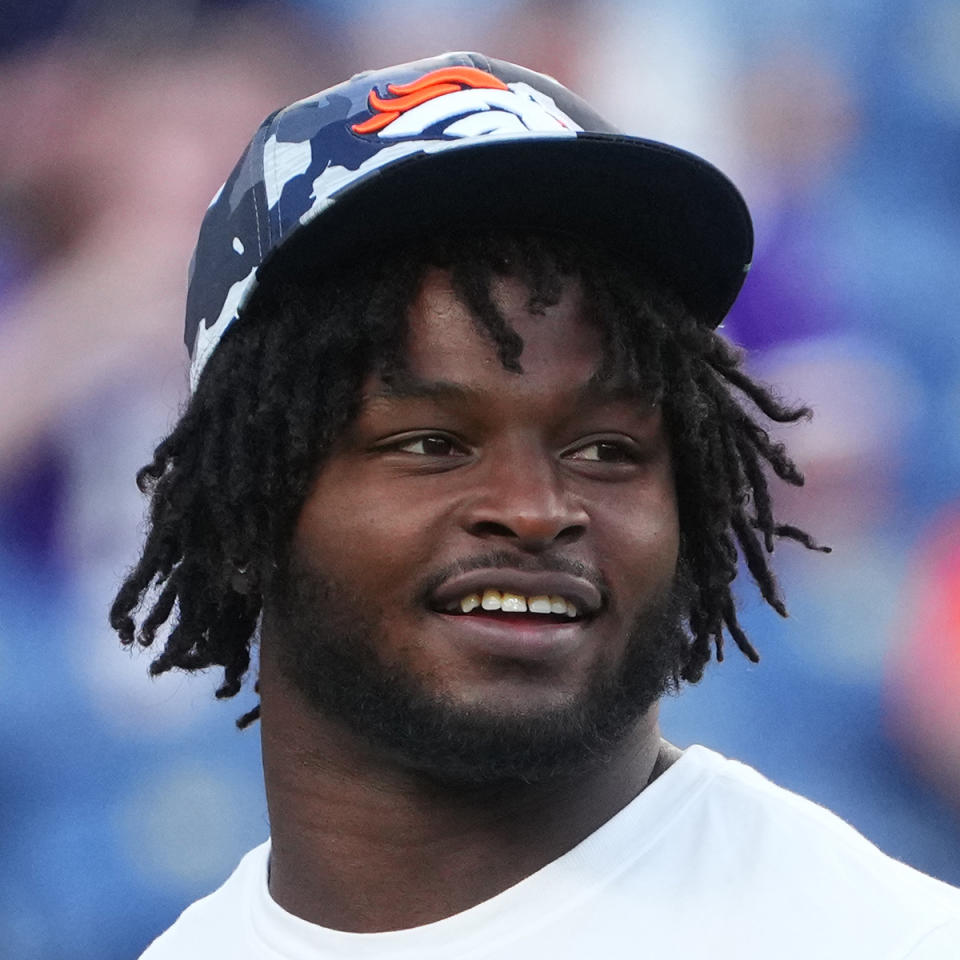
924 670
119 146
113 150
117 137
798 117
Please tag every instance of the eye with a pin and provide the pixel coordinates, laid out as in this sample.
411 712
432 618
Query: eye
604 451
431 445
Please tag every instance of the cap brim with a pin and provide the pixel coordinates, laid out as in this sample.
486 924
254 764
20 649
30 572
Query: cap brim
678 215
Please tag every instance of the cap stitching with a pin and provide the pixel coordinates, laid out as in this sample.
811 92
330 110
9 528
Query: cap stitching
273 162
256 213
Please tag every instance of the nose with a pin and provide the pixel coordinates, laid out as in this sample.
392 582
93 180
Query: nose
521 497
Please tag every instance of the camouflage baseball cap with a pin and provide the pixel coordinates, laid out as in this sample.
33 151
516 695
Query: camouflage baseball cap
459 141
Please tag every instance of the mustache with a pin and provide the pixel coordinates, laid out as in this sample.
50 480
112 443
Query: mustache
501 559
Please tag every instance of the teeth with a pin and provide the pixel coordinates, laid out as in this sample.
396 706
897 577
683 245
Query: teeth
491 600
513 603
539 605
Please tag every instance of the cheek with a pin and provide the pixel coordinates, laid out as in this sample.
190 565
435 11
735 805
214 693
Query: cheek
361 536
641 545
648 544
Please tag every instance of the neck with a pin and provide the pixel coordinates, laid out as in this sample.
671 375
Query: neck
360 843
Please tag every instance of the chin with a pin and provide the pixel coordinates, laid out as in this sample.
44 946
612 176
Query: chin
512 721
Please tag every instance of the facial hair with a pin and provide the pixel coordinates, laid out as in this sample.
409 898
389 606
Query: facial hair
326 646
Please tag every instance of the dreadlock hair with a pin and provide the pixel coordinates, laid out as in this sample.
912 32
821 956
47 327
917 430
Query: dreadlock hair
229 481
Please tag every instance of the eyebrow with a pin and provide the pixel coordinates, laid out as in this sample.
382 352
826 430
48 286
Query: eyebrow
408 386
596 390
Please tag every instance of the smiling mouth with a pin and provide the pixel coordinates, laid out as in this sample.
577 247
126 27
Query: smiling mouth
518 613
539 626
520 609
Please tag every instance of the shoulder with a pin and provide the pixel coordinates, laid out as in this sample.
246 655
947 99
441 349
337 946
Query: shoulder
792 857
940 943
766 818
215 925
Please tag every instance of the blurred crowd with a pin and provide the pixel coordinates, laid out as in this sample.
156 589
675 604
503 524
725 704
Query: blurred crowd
123 798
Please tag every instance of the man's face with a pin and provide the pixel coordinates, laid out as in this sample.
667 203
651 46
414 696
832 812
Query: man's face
465 484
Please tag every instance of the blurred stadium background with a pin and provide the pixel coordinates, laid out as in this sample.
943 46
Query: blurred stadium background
123 799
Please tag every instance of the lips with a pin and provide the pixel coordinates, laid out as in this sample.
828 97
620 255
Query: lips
583 594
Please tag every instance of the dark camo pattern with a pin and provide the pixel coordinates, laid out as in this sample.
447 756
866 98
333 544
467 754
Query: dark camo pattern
304 156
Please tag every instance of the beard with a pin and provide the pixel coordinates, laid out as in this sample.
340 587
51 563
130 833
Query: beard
326 645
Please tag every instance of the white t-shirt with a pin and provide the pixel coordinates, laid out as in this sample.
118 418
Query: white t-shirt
710 861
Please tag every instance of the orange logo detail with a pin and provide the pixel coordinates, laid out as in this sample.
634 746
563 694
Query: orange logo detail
437 83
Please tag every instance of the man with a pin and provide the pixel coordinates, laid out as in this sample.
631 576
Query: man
467 460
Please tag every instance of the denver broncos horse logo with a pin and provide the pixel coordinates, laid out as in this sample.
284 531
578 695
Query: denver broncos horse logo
482 102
